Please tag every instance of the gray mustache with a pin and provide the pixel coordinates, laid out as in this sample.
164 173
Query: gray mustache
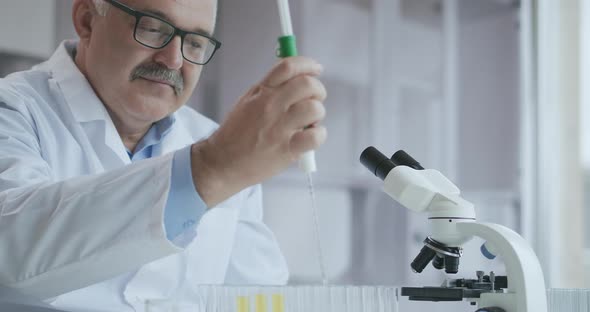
153 70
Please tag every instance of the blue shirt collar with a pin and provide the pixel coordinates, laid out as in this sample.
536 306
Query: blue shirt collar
154 136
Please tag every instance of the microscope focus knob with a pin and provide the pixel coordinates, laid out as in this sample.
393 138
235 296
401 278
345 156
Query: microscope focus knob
491 309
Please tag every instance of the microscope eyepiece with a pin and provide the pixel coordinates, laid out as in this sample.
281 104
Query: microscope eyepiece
380 165
401 158
376 162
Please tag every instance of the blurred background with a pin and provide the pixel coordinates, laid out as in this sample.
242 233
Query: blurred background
493 93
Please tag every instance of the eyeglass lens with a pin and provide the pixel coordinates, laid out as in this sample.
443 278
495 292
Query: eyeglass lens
156 34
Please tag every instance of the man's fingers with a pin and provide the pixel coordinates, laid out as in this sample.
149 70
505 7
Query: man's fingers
305 113
308 139
289 68
299 89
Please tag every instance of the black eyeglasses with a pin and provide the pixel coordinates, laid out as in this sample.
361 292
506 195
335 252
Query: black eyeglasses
154 32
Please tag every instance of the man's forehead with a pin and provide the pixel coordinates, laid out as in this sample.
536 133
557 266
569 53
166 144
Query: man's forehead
188 4
177 11
193 4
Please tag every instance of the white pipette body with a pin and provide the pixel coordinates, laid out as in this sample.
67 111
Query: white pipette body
285 15
307 160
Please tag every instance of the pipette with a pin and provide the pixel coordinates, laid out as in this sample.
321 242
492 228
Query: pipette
288 47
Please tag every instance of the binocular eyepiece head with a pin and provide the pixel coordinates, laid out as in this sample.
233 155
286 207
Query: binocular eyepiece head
380 165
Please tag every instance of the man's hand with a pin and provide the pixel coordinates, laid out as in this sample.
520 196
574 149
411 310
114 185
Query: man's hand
267 130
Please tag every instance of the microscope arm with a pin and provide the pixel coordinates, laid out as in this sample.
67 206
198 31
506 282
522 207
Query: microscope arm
525 281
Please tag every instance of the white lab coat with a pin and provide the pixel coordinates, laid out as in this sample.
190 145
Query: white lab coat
83 228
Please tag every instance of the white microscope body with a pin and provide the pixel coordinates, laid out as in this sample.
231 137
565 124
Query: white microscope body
453 224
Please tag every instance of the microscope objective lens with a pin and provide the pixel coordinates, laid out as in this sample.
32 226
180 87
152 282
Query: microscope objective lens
422 259
438 262
451 264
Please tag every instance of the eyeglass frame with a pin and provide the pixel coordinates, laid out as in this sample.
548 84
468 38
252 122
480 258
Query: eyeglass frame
177 31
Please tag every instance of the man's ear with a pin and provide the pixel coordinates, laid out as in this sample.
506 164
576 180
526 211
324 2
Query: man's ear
83 14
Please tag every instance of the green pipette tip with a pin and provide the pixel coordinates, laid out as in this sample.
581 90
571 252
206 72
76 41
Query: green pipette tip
287 46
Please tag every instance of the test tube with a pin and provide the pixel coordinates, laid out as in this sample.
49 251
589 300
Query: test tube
278 303
260 303
242 304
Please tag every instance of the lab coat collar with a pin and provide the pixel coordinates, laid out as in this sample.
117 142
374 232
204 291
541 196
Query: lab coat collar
79 94
83 102
86 107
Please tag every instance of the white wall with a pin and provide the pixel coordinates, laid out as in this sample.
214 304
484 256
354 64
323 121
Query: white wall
585 83
28 27
585 124
559 166
63 21
248 31
489 104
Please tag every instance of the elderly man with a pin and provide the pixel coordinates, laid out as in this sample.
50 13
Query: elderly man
112 193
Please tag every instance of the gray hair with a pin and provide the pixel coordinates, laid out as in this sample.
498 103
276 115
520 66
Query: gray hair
101 7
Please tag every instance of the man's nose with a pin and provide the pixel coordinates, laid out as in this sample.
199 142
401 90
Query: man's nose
171 55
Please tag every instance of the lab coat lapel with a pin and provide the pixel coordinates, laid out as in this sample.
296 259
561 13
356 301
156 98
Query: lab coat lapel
107 144
87 109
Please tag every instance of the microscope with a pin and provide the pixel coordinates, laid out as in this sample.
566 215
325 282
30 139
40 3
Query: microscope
453 223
